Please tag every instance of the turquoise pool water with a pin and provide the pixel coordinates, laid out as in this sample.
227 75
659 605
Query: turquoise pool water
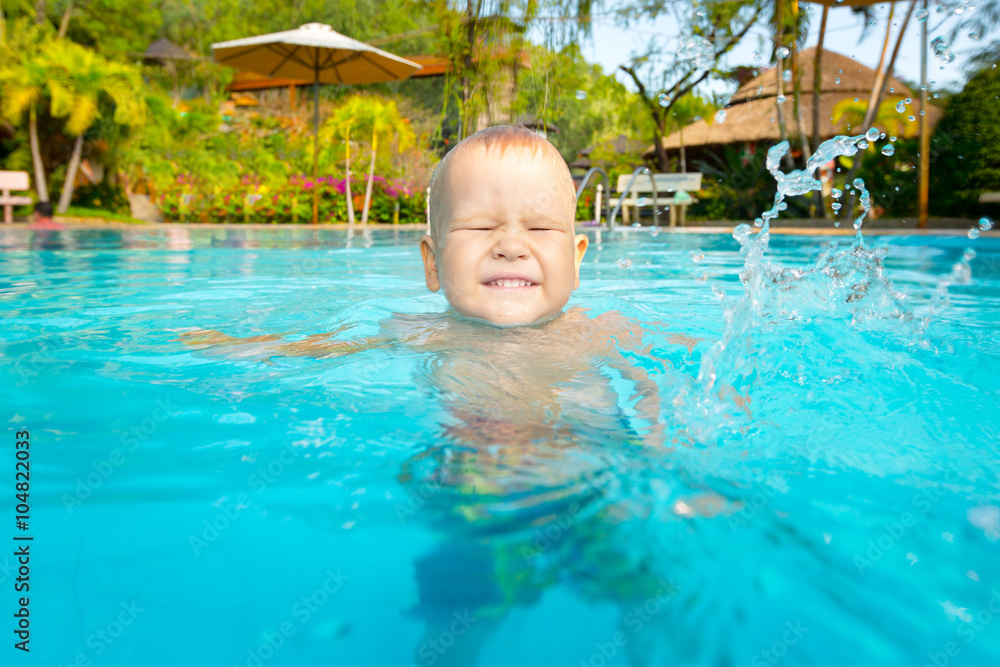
824 492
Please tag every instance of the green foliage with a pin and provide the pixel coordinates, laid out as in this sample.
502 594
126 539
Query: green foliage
101 196
965 148
549 92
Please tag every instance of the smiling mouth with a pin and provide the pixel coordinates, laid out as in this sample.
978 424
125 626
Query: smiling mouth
510 283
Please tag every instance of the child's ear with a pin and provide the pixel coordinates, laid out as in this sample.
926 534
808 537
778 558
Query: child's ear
581 249
430 264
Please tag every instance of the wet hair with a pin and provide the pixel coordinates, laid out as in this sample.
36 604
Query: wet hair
500 138
43 209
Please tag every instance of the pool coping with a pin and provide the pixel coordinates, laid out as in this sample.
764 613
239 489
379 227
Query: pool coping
847 230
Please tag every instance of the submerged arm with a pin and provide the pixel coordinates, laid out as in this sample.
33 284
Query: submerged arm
318 346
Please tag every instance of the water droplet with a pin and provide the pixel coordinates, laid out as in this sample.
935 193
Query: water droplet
836 206
858 183
935 95
700 13
783 206
720 116
908 100
974 233
836 193
862 144
872 134
641 201
837 81
780 99
921 14
760 90
786 75
942 50
888 149
782 52
624 263
636 225
922 112
696 118
911 118
900 107
756 56
892 138
985 224
856 99
663 99
581 94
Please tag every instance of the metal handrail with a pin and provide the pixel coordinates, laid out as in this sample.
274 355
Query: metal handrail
607 189
623 194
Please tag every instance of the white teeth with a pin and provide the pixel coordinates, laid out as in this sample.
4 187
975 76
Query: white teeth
510 283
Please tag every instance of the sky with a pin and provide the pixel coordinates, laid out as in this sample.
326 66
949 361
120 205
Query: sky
612 45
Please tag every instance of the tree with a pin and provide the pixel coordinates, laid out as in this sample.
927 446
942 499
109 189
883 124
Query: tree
24 84
685 111
81 81
665 75
340 125
966 146
384 121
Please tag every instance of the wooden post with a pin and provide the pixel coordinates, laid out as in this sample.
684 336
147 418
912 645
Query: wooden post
925 137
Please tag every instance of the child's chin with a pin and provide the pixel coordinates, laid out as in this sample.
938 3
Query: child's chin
509 319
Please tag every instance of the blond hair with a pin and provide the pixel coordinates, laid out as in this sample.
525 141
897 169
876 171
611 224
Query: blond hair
501 138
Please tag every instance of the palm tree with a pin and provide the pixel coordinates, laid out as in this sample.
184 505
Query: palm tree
24 84
686 110
340 124
384 121
80 80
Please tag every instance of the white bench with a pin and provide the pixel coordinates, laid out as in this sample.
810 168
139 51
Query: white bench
668 186
13 180
989 198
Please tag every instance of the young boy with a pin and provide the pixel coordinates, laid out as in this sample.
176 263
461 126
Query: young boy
536 430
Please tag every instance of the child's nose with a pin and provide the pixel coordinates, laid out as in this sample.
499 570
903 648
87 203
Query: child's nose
511 247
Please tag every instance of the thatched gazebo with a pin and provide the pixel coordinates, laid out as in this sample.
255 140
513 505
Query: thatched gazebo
752 114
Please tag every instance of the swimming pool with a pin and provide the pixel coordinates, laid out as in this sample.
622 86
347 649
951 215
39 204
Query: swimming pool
826 494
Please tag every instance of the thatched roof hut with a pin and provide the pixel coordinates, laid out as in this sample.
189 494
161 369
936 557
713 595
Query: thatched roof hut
752 114
163 50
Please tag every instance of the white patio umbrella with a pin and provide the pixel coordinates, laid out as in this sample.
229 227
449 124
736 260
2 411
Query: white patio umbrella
315 52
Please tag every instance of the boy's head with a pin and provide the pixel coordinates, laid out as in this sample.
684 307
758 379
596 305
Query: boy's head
502 242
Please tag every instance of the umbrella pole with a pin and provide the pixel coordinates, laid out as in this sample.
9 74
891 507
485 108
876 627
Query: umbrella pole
316 147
